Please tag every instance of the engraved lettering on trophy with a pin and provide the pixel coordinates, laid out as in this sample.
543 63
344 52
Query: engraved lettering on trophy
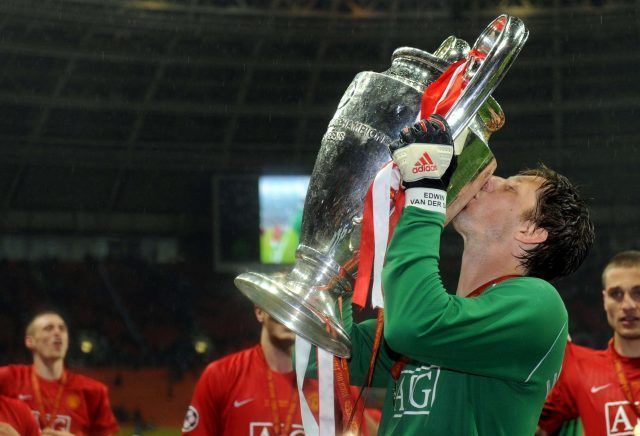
360 129
334 135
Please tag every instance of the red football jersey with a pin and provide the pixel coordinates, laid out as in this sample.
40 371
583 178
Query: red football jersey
232 398
84 405
18 415
589 388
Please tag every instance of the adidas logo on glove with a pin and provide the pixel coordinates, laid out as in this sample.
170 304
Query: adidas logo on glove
424 164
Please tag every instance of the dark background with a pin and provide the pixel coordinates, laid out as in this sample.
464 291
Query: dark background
118 119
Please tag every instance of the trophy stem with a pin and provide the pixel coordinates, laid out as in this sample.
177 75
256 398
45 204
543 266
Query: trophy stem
304 300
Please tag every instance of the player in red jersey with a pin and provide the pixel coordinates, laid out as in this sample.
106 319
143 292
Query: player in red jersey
251 392
602 387
16 418
62 402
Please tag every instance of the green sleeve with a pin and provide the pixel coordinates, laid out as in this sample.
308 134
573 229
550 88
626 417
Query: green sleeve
571 428
362 338
510 331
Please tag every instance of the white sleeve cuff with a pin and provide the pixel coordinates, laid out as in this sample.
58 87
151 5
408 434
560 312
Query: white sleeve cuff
431 199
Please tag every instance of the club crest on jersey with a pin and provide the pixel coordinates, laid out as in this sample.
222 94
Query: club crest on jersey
61 423
313 400
424 164
191 419
73 401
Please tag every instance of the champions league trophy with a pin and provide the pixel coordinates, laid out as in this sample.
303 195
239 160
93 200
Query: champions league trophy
370 115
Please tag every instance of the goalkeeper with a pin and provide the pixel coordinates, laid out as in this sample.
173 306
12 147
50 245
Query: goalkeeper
480 362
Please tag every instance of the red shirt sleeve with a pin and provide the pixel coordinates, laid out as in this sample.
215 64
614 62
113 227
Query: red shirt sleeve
204 414
6 379
19 416
102 420
560 405
29 425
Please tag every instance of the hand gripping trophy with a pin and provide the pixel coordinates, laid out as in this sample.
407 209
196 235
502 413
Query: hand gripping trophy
370 115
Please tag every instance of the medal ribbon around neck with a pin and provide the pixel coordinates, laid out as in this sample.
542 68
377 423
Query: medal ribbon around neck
35 382
273 401
480 289
626 389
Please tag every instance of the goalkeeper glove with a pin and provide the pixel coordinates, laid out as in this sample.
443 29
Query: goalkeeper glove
426 160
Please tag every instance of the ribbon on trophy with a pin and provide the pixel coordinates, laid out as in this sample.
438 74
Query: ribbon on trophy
378 220
326 424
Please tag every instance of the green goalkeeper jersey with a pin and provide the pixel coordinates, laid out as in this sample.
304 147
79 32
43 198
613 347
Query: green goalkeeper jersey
477 366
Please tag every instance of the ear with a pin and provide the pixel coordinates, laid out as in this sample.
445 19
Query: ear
529 233
260 314
29 342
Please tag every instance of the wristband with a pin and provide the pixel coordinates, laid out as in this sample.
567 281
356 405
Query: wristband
431 199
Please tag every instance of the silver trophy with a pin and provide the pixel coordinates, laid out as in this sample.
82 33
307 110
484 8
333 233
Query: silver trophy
370 115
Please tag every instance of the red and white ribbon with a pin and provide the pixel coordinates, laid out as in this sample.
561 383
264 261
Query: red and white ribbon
387 179
326 412
327 418
303 349
438 98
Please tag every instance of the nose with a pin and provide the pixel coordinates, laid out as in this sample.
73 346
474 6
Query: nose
492 183
628 304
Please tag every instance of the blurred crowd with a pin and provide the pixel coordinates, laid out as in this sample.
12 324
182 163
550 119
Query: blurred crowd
127 312
138 314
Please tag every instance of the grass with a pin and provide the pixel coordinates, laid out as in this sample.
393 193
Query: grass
159 431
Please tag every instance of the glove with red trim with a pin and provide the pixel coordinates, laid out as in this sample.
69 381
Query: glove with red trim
425 157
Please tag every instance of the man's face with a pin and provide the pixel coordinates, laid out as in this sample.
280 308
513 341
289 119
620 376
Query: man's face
496 211
621 296
48 337
276 331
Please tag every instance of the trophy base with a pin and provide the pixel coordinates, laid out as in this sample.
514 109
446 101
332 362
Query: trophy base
274 296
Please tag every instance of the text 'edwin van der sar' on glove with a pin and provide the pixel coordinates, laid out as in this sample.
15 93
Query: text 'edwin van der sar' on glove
424 155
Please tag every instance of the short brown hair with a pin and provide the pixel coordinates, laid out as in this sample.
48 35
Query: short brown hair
564 215
29 330
624 259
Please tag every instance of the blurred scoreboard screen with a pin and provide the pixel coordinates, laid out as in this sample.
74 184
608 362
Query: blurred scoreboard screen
256 220
281 200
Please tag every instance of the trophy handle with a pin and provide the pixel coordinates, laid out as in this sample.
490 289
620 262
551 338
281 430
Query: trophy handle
475 111
498 46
